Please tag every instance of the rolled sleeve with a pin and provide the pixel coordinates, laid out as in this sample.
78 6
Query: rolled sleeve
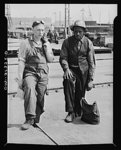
64 55
91 61
22 51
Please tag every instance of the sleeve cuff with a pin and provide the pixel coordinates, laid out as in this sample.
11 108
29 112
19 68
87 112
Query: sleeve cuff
21 59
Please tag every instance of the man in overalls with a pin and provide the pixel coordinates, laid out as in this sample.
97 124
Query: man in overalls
77 60
34 54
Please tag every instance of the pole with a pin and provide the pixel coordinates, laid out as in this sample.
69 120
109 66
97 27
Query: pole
65 20
69 19
60 18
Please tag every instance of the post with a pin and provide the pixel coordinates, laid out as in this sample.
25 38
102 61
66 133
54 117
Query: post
69 19
65 20
60 18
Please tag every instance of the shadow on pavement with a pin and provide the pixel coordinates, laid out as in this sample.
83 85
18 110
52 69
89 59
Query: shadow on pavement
14 125
78 121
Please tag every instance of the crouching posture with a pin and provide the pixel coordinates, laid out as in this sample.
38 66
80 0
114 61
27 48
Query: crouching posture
34 54
77 60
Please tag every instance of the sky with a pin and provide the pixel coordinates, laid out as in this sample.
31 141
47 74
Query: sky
102 13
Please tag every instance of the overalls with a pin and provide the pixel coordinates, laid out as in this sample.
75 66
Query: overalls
35 80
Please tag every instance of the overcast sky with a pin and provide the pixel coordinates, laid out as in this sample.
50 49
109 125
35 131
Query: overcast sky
103 13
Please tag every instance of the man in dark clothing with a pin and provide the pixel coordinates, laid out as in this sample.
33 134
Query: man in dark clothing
77 60
34 54
50 36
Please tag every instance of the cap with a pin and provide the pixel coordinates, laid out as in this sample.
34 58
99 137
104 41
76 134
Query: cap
35 23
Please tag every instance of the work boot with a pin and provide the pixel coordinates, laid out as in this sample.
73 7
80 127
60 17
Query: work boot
69 117
27 124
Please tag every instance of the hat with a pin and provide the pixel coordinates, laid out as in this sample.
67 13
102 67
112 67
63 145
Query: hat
78 23
35 23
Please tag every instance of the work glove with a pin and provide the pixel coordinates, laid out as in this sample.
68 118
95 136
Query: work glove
89 85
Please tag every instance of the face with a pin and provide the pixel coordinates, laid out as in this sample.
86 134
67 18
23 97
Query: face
39 30
78 33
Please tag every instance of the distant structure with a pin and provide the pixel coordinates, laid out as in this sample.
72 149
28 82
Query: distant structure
8 15
86 16
91 25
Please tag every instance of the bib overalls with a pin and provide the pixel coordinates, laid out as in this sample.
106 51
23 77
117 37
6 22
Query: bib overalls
35 80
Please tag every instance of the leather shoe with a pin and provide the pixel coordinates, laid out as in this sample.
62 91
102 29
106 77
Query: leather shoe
69 117
27 124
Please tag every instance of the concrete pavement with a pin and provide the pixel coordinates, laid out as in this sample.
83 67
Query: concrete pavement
103 72
52 128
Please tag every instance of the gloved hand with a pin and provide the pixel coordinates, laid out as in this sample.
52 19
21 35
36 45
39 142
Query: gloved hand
89 85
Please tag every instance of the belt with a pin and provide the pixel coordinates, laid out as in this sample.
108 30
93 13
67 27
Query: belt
74 66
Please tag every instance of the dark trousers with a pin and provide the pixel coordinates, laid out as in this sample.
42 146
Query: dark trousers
34 91
74 90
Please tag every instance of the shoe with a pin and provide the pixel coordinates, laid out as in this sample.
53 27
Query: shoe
35 125
27 124
69 117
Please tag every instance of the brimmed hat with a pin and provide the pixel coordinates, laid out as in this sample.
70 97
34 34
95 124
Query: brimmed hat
78 23
35 23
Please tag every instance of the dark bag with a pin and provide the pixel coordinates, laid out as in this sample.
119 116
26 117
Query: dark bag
90 113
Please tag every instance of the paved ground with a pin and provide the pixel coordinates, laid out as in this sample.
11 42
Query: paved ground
103 73
52 121
52 128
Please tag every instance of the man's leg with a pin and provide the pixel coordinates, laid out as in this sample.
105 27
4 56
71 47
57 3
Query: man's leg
69 92
41 90
29 101
81 80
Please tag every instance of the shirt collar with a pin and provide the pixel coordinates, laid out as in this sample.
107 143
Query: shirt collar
82 40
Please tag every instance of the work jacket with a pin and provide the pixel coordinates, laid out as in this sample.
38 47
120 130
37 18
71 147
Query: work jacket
78 54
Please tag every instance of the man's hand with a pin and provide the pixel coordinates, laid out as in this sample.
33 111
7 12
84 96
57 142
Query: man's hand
90 85
68 74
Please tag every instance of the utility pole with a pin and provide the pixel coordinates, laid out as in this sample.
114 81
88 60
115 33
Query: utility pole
90 14
67 18
8 15
60 18
55 18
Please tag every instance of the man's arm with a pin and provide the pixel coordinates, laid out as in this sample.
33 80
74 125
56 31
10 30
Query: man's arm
21 60
64 56
91 61
64 60
48 52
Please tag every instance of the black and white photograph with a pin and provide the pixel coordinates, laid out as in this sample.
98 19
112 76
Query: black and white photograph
60 73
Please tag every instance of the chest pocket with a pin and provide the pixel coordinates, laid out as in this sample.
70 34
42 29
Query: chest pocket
35 54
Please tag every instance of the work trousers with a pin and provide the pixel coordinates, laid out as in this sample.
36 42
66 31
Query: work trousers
34 90
74 90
